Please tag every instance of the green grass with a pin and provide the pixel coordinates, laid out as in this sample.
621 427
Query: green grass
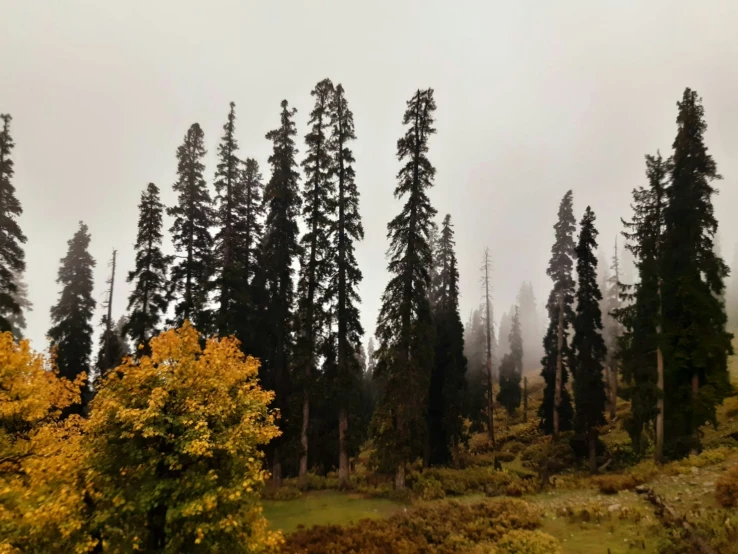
324 508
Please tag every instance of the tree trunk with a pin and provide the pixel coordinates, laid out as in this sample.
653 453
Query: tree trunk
491 404
613 391
156 523
343 462
592 436
608 389
659 452
400 477
525 400
276 469
302 475
559 368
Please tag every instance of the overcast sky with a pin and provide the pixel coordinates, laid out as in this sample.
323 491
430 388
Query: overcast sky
533 98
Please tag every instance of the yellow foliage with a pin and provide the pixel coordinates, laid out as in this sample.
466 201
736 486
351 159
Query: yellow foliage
173 443
522 541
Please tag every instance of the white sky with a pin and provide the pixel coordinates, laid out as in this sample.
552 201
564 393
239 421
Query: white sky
533 98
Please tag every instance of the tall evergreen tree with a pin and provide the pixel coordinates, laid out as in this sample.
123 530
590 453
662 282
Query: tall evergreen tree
697 344
556 410
511 368
18 320
611 329
316 259
640 349
12 256
489 333
588 346
191 275
148 301
346 276
230 202
475 342
530 326
110 353
446 395
71 331
278 250
404 325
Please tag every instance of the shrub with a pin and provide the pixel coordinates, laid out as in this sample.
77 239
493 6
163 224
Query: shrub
514 446
428 488
726 489
286 492
612 484
505 457
528 542
458 482
441 528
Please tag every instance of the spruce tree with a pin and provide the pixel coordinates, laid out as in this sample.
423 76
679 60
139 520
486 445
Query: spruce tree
611 330
489 349
191 275
316 257
18 320
556 410
588 346
404 325
343 284
475 341
530 327
12 256
446 395
640 348
110 353
230 202
511 368
277 253
71 331
148 300
697 344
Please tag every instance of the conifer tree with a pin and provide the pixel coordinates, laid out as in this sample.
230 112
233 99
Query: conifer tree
697 344
446 395
475 341
191 275
588 346
71 331
110 353
18 320
640 349
530 328
12 256
556 410
148 301
346 276
230 202
511 368
316 259
404 325
278 250
489 333
611 330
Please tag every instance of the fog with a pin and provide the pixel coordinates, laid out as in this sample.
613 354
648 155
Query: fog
534 98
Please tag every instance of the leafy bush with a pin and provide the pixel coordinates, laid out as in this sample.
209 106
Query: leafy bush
441 528
519 541
428 488
286 492
516 447
705 458
612 484
457 482
505 457
726 489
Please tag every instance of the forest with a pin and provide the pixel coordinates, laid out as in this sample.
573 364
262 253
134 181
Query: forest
238 404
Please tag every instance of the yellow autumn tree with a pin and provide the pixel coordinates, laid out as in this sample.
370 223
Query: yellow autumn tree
41 498
173 450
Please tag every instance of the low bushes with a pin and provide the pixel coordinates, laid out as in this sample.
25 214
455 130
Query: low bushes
456 482
726 488
520 541
616 482
442 528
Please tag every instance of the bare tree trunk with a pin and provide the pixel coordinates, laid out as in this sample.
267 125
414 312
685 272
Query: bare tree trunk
559 368
491 404
525 400
302 475
343 462
659 451
400 477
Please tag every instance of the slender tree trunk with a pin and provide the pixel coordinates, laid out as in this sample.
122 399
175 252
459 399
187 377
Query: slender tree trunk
608 388
592 451
302 476
400 477
343 460
525 400
559 367
276 468
659 451
613 375
491 403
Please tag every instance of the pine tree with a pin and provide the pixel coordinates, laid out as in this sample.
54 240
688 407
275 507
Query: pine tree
556 410
640 344
404 325
489 333
230 202
511 368
148 301
475 342
278 250
71 331
20 296
446 395
110 353
530 328
588 346
190 278
316 260
697 344
611 329
346 276
12 256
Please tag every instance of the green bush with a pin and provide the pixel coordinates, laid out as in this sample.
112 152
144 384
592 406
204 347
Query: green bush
286 492
726 489
516 447
457 482
519 541
428 488
505 457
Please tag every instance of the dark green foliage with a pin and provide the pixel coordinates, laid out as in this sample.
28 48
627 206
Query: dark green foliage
640 316
278 250
148 301
588 345
193 215
12 256
511 368
448 379
18 320
475 344
560 270
71 331
697 345
230 202
530 329
113 347
404 325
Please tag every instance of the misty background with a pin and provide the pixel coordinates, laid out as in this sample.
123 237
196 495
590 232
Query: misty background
534 98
